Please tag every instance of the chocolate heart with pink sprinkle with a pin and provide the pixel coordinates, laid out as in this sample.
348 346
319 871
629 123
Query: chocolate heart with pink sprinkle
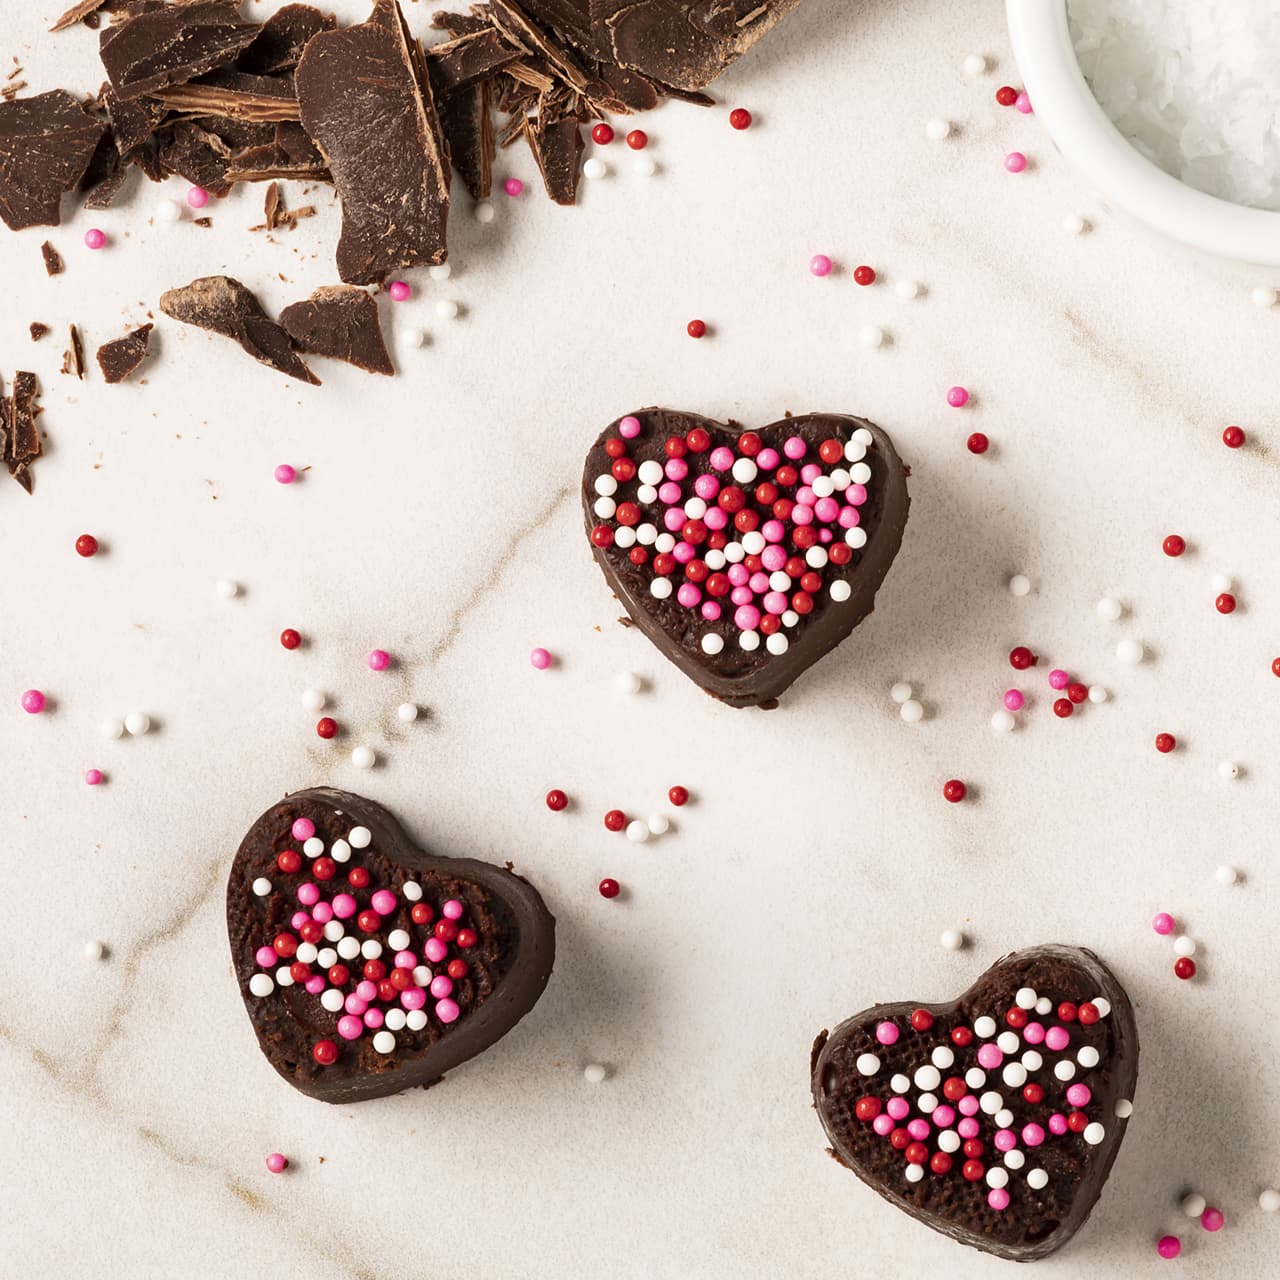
994 1119
745 556
368 966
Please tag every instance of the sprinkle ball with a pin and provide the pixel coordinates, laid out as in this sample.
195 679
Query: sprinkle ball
594 1073
820 265
1163 923
399 291
740 118
277 1163
957 397
609 888
379 660
602 134
33 702
1212 1219
1015 162
86 545
197 197
1233 437
1169 1246
513 187
539 659
95 238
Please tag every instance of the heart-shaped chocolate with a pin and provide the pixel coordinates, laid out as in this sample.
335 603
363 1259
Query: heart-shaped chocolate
994 1119
745 556
368 966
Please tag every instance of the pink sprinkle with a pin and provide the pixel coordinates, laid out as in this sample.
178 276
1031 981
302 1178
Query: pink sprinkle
406 960
968 1107
441 986
1032 1135
285 474
93 777
303 828
721 458
1058 1123
277 1163
990 1056
767 459
308 894
1212 1220
373 1019
355 1004
350 1027
887 1033
1057 1038
33 702
820 265
344 905
414 998
676 469
1005 1140
688 595
513 186
315 984
1033 1033
379 660
197 197
540 659
447 1010
399 291
998 1198
957 397
1169 1246
629 427
383 902
1164 923
298 919
95 239
710 611
898 1108
1058 679
1015 162
266 957
1013 699
452 909
434 950
322 913
918 1129
883 1125
968 1127
795 448
1079 1094
1023 103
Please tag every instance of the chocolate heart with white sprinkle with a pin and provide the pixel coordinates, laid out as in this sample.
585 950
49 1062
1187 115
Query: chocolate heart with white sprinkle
745 556
994 1119
368 966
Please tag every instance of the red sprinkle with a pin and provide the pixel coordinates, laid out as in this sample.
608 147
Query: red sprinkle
1006 95
1088 1014
961 1036
1033 1093
637 139
1233 437
557 800
466 938
602 134
615 820
289 861
1165 742
678 796
696 328
1063 708
864 275
1225 603
1174 545
921 1019
867 1108
740 118
978 443
1067 1011
1275 666
326 727
609 888
1021 658
1184 967
1077 692
290 638
325 1052
955 791
86 545
358 878
457 969
421 913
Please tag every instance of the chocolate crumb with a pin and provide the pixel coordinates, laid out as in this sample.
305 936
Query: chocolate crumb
21 439
341 322
121 356
205 222
271 206
38 330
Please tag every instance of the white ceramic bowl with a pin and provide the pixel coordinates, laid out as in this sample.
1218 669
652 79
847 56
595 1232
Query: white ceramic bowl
1085 135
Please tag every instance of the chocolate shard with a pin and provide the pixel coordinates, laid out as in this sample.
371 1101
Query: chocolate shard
341 322
52 260
198 155
163 47
235 95
132 122
458 24
467 120
634 91
223 305
367 104
121 356
558 150
467 59
290 154
38 330
23 446
279 44
77 13
46 144
73 357
522 31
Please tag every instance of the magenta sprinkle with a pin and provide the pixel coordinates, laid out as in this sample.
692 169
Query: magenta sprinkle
1015 162
1212 1220
303 828
513 186
277 1163
957 397
1014 700
1058 679
540 659
379 660
1169 1246
1164 923
399 291
1023 103
285 474
820 265
94 238
629 427
93 777
197 197
33 702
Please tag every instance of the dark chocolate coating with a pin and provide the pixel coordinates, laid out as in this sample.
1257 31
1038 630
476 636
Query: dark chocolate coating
508 967
736 676
1036 1223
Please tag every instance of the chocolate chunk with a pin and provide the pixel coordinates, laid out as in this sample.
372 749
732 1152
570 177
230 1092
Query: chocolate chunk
46 144
290 154
458 24
73 357
77 13
467 120
632 89
132 122
284 35
461 62
172 45
121 356
367 103
199 155
23 446
223 305
558 150
52 259
38 330
341 322
522 31
237 96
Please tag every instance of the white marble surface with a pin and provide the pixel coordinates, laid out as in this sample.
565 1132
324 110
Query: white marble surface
818 864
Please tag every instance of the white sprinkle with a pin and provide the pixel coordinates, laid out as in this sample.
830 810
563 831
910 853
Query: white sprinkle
1032 1060
137 722
868 1064
416 1019
485 212
974 64
1269 1200
637 831
331 999
1025 998
283 977
1008 1042
313 700
1130 652
168 211
1263 297
1073 224
777 644
975 1077
860 473
943 1057
112 729
1228 770
348 947
340 851
398 939
1088 1057
645 166
660 588
384 1042
594 1073
407 711
1184 946
948 1141
313 846
627 682
952 939
447 309
901 691
937 129
899 1083
1014 1159
394 1020
306 952
262 886
927 1102
659 824
744 471
1044 1005
363 758
413 338
1194 1204
606 486
649 472
1102 1004
861 436
261 985
334 931
94 950
912 711
359 837
1020 585
1226 875
991 1102
856 537
227 589
422 975
915 1173
927 1077
840 591
1123 1108
1094 1133
1065 1070
595 168
749 641
1222 582
1014 1075
1109 609
1037 1179
997 1177
1002 721
371 949
907 289
412 890
441 271
1097 693
871 336
326 957
984 1027
712 643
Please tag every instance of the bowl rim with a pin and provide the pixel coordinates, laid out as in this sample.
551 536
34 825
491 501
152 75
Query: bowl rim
1086 136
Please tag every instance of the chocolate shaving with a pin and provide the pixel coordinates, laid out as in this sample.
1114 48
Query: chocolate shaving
223 305
467 120
558 151
171 45
458 24
22 446
73 357
46 144
461 62
291 154
367 104
235 95
38 330
271 206
284 35
77 13
52 260
340 322
121 356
